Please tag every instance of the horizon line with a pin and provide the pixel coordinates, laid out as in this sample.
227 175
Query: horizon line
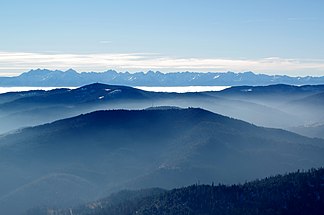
12 75
14 63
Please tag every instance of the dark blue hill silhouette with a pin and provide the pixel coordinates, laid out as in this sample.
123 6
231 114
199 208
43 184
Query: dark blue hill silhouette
262 105
275 88
277 91
109 150
85 94
30 108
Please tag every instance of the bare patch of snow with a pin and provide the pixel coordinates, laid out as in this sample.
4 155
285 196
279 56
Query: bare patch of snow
247 90
115 91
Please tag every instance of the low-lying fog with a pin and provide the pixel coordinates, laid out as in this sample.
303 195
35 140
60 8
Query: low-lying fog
178 89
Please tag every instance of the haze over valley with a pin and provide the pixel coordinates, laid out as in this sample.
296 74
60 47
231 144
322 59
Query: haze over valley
164 107
99 138
260 105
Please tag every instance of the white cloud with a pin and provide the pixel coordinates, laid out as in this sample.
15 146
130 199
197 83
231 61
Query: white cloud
12 63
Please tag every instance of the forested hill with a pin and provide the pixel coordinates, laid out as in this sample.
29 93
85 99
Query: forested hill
294 193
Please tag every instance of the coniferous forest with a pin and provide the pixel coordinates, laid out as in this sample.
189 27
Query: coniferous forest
293 193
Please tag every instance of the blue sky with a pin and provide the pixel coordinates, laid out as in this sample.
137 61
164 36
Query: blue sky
264 36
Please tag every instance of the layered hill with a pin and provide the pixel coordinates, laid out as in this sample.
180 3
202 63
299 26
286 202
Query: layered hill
79 159
262 105
21 109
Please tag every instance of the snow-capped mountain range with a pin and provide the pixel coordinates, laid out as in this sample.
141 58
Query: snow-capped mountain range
56 78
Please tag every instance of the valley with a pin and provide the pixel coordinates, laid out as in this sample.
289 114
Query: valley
98 139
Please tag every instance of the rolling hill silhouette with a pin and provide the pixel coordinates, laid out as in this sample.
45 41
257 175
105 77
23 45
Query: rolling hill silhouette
105 151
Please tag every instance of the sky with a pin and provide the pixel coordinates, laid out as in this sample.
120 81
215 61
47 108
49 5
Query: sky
263 36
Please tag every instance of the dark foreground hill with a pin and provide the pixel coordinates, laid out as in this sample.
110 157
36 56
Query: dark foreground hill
294 193
83 158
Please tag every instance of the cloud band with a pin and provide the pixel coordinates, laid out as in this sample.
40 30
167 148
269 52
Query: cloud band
13 63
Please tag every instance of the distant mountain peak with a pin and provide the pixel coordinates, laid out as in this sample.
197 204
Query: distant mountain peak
70 77
71 71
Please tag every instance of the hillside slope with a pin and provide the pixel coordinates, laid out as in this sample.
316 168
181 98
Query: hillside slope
96 153
294 193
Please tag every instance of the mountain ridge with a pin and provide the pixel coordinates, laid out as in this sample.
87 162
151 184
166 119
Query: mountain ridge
71 78
249 103
117 149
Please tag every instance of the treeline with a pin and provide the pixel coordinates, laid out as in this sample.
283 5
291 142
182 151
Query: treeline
294 193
